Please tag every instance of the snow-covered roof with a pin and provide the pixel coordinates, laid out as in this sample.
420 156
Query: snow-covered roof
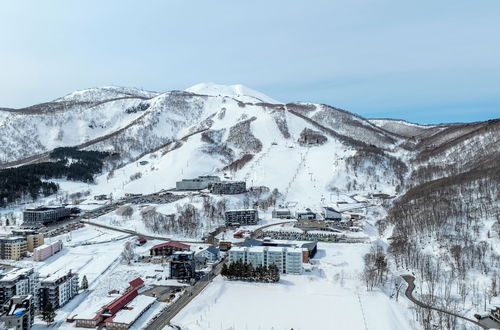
89 310
14 274
175 244
133 310
237 249
212 249
329 208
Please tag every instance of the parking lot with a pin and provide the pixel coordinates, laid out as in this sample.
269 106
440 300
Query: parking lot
163 293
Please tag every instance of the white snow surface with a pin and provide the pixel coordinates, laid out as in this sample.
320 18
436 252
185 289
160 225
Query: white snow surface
239 92
329 297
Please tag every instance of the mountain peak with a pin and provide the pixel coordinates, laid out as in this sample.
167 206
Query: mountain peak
239 92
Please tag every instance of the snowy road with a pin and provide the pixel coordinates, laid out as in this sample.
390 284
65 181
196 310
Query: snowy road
164 318
410 280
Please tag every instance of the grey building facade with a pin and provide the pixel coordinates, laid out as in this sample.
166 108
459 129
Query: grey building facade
282 214
306 215
199 183
16 282
241 217
332 214
228 187
19 312
182 265
44 215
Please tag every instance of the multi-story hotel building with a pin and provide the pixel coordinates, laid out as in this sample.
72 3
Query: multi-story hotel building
287 259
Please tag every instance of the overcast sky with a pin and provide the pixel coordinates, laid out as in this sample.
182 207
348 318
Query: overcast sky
426 61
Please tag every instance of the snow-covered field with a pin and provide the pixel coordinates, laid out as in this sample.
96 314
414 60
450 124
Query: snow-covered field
331 296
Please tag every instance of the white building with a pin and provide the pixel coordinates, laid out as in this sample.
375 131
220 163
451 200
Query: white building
58 289
211 254
287 259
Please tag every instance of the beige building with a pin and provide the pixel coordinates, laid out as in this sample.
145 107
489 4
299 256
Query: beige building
13 248
33 238
34 241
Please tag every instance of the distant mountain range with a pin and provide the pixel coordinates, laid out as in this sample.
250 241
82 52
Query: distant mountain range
235 129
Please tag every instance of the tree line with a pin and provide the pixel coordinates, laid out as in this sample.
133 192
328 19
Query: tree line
29 181
240 270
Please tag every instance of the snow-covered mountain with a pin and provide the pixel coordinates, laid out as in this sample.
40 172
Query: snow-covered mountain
239 133
214 129
236 128
433 180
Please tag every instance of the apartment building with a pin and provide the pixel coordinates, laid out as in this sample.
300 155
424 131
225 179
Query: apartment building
34 239
287 259
18 313
43 215
241 217
17 282
13 248
58 289
47 250
182 265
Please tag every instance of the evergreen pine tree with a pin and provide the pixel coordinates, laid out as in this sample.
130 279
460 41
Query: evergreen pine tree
274 273
85 283
225 270
48 314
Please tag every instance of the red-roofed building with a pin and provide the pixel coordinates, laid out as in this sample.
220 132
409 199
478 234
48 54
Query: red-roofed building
168 248
117 304
109 310
129 314
137 283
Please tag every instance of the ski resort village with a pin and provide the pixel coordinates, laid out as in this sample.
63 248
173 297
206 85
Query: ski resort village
218 207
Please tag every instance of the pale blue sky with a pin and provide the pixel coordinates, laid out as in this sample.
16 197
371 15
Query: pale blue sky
426 61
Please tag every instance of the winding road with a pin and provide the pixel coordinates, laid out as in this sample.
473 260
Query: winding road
409 294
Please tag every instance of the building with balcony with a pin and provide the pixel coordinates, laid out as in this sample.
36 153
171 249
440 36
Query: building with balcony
18 282
44 215
13 248
34 239
241 217
58 289
287 259
182 265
